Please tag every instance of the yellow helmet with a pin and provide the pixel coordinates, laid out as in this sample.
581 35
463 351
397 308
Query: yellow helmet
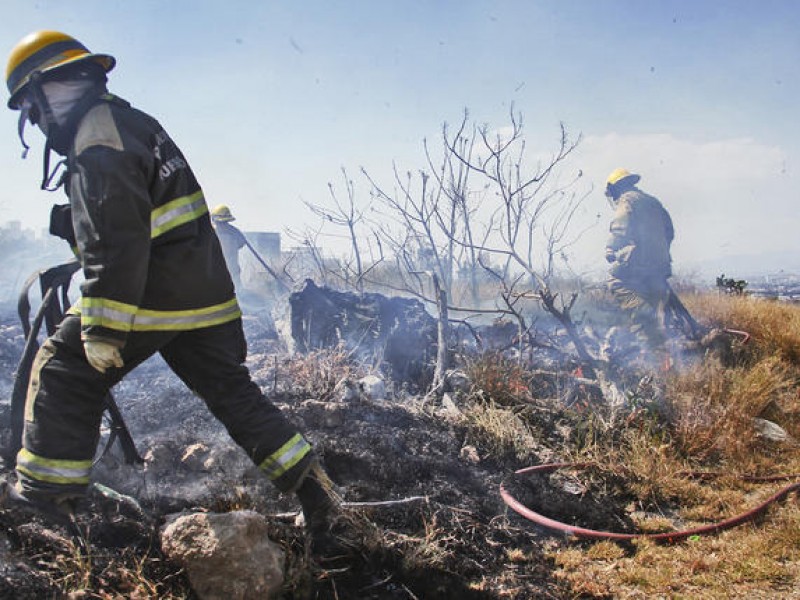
221 212
618 175
43 52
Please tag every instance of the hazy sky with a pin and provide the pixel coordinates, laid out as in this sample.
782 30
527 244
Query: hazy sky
270 99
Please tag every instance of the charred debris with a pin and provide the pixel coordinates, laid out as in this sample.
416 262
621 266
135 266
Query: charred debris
359 372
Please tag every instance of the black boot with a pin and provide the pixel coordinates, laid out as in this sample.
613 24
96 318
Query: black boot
58 509
325 529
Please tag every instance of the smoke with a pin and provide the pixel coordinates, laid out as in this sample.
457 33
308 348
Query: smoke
23 254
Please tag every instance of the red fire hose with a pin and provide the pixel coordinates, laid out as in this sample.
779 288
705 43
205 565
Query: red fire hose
668 537
742 334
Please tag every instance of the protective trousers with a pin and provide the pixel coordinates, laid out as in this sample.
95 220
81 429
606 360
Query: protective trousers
644 301
64 405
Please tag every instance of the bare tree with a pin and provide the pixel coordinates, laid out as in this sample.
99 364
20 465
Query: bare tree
307 261
349 269
484 209
529 222
427 220
452 178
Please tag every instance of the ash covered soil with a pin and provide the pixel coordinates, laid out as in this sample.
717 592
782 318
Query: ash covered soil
451 536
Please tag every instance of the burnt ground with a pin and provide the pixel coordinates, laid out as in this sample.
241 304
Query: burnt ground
459 540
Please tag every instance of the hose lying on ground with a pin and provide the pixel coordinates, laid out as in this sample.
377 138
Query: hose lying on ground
667 537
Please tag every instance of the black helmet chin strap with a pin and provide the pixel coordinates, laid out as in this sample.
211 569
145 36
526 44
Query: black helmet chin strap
24 114
49 176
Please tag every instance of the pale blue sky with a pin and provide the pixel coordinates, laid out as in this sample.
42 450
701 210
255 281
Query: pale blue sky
269 99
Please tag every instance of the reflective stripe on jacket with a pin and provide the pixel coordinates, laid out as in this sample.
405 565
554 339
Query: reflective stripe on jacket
124 317
285 457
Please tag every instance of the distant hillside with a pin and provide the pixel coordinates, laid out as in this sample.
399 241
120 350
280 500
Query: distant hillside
746 266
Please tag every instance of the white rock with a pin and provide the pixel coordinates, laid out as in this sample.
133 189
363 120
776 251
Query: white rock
771 431
372 387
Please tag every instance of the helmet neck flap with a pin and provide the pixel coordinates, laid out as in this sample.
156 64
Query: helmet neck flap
56 106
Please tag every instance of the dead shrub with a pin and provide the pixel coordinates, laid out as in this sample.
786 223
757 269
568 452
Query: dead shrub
713 407
315 375
500 380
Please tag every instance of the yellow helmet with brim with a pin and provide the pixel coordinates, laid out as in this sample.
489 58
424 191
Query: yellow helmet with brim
44 52
618 175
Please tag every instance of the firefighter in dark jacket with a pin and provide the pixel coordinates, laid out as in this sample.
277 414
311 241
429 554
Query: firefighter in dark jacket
638 253
154 281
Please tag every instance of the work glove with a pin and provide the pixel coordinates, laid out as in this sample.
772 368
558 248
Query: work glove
102 355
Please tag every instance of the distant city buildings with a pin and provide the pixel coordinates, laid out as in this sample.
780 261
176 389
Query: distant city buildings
782 286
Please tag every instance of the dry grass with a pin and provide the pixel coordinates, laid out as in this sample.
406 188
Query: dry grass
711 428
714 408
775 326
433 547
751 561
315 375
81 575
500 430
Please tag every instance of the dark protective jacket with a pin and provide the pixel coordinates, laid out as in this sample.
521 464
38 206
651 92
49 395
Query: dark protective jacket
155 281
151 260
641 234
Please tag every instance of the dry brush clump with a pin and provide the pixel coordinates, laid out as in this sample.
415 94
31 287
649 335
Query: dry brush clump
501 380
774 326
82 568
497 416
709 426
678 455
135 576
715 408
316 374
501 431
